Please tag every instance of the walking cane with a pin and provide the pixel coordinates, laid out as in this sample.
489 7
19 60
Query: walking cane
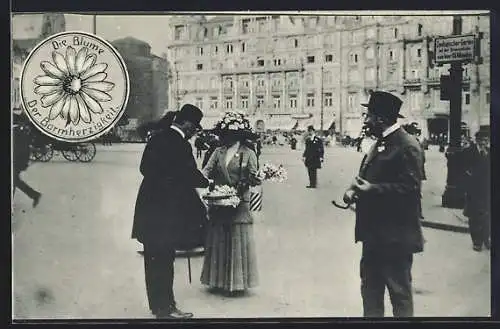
189 267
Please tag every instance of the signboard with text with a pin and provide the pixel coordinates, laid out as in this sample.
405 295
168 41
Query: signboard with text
459 48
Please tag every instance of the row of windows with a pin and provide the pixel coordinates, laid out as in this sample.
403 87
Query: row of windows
262 25
228 82
229 48
353 101
328 58
439 25
328 78
355 37
354 58
259 101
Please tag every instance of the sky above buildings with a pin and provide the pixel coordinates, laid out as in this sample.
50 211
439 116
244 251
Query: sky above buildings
151 29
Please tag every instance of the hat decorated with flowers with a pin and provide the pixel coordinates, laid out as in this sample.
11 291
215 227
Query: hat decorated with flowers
235 123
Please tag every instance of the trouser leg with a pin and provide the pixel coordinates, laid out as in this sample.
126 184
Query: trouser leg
397 274
476 230
372 286
313 176
159 275
486 229
24 187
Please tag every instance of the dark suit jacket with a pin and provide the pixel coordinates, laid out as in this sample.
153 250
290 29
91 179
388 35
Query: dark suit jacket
389 215
168 209
313 152
477 183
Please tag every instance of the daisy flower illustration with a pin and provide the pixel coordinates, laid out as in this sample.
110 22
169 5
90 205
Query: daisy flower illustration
73 86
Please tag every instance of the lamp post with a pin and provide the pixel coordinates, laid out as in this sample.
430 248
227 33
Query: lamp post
321 100
340 93
453 196
94 24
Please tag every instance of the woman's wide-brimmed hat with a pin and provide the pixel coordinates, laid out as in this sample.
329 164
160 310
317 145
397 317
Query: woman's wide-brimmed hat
234 124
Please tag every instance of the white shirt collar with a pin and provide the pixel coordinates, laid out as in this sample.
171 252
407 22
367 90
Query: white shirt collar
178 130
391 129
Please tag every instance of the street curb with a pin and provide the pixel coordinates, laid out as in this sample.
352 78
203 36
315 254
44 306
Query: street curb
445 227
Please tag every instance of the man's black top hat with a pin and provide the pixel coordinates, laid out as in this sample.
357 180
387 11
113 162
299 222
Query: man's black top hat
190 113
310 127
384 104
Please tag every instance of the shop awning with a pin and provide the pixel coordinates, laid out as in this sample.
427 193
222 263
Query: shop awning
315 121
279 122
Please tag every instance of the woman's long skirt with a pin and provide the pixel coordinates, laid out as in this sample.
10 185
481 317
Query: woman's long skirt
230 260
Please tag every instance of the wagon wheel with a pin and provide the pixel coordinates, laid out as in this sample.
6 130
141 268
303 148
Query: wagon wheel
33 153
44 153
86 152
70 155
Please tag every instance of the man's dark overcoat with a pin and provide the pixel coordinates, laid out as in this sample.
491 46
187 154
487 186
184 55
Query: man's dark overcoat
389 215
313 152
168 209
477 182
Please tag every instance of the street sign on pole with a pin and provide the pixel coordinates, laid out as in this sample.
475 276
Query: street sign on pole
459 48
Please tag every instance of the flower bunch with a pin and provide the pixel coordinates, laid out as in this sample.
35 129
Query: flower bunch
273 173
233 201
221 190
233 121
226 196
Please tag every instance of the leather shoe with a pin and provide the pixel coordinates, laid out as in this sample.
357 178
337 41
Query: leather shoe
310 186
477 248
487 245
173 313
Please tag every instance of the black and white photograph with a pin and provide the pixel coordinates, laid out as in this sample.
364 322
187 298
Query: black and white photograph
250 165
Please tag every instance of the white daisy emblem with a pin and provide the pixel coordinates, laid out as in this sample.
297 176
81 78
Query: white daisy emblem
74 86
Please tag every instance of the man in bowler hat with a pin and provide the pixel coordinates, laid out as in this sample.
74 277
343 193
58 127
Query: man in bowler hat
168 206
387 197
313 156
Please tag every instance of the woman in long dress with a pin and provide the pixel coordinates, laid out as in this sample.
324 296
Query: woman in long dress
230 261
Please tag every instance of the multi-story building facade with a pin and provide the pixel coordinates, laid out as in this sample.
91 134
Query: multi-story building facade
149 75
318 69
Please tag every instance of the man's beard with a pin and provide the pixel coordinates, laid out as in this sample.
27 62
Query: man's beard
373 131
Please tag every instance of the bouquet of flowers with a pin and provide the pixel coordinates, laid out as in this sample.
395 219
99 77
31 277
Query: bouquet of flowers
223 196
273 173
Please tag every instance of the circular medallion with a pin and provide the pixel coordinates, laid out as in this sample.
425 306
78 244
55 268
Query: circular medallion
74 86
